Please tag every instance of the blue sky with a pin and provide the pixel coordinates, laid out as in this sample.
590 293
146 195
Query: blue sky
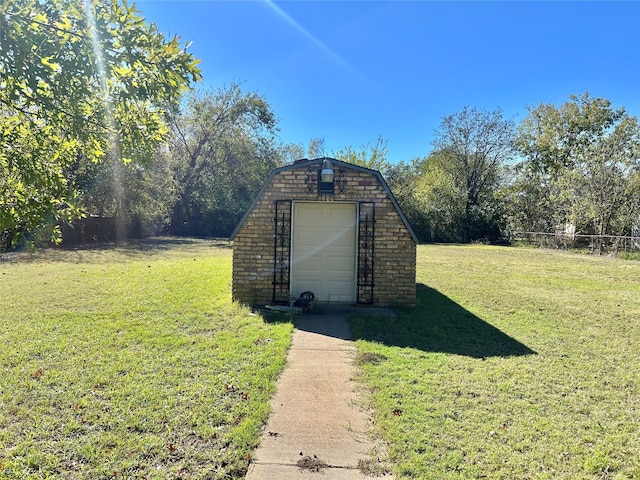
349 72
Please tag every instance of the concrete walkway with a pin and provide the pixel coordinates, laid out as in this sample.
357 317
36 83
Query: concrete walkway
316 428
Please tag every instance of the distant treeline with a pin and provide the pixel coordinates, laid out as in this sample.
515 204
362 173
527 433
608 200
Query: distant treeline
97 140
571 166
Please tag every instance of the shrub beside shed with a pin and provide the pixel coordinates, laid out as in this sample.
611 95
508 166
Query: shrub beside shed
328 227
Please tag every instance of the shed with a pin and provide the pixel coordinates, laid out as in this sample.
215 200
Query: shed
329 227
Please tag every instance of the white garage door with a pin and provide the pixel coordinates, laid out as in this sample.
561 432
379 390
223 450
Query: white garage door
324 250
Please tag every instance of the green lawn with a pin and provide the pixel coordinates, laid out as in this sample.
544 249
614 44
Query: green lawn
131 363
516 364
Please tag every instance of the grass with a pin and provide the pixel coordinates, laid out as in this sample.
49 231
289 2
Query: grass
131 362
515 364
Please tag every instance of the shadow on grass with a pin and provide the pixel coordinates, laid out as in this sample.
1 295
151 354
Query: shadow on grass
277 317
129 248
437 324
151 244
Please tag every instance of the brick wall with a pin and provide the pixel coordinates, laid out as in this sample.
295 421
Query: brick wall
253 245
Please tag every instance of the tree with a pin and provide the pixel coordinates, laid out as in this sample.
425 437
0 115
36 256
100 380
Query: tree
89 78
608 192
428 197
532 201
440 198
403 179
477 144
140 200
290 152
223 149
371 155
315 149
591 151
33 191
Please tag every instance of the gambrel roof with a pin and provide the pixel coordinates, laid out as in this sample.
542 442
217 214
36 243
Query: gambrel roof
304 163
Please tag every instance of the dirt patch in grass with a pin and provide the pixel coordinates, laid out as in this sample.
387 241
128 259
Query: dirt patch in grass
373 467
365 358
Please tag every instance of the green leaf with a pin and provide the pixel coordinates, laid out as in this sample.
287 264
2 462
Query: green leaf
52 65
40 17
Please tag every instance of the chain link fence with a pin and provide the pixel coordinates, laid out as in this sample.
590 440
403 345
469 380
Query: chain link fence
597 244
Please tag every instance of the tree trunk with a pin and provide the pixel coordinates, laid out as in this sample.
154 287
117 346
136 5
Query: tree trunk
466 227
177 218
